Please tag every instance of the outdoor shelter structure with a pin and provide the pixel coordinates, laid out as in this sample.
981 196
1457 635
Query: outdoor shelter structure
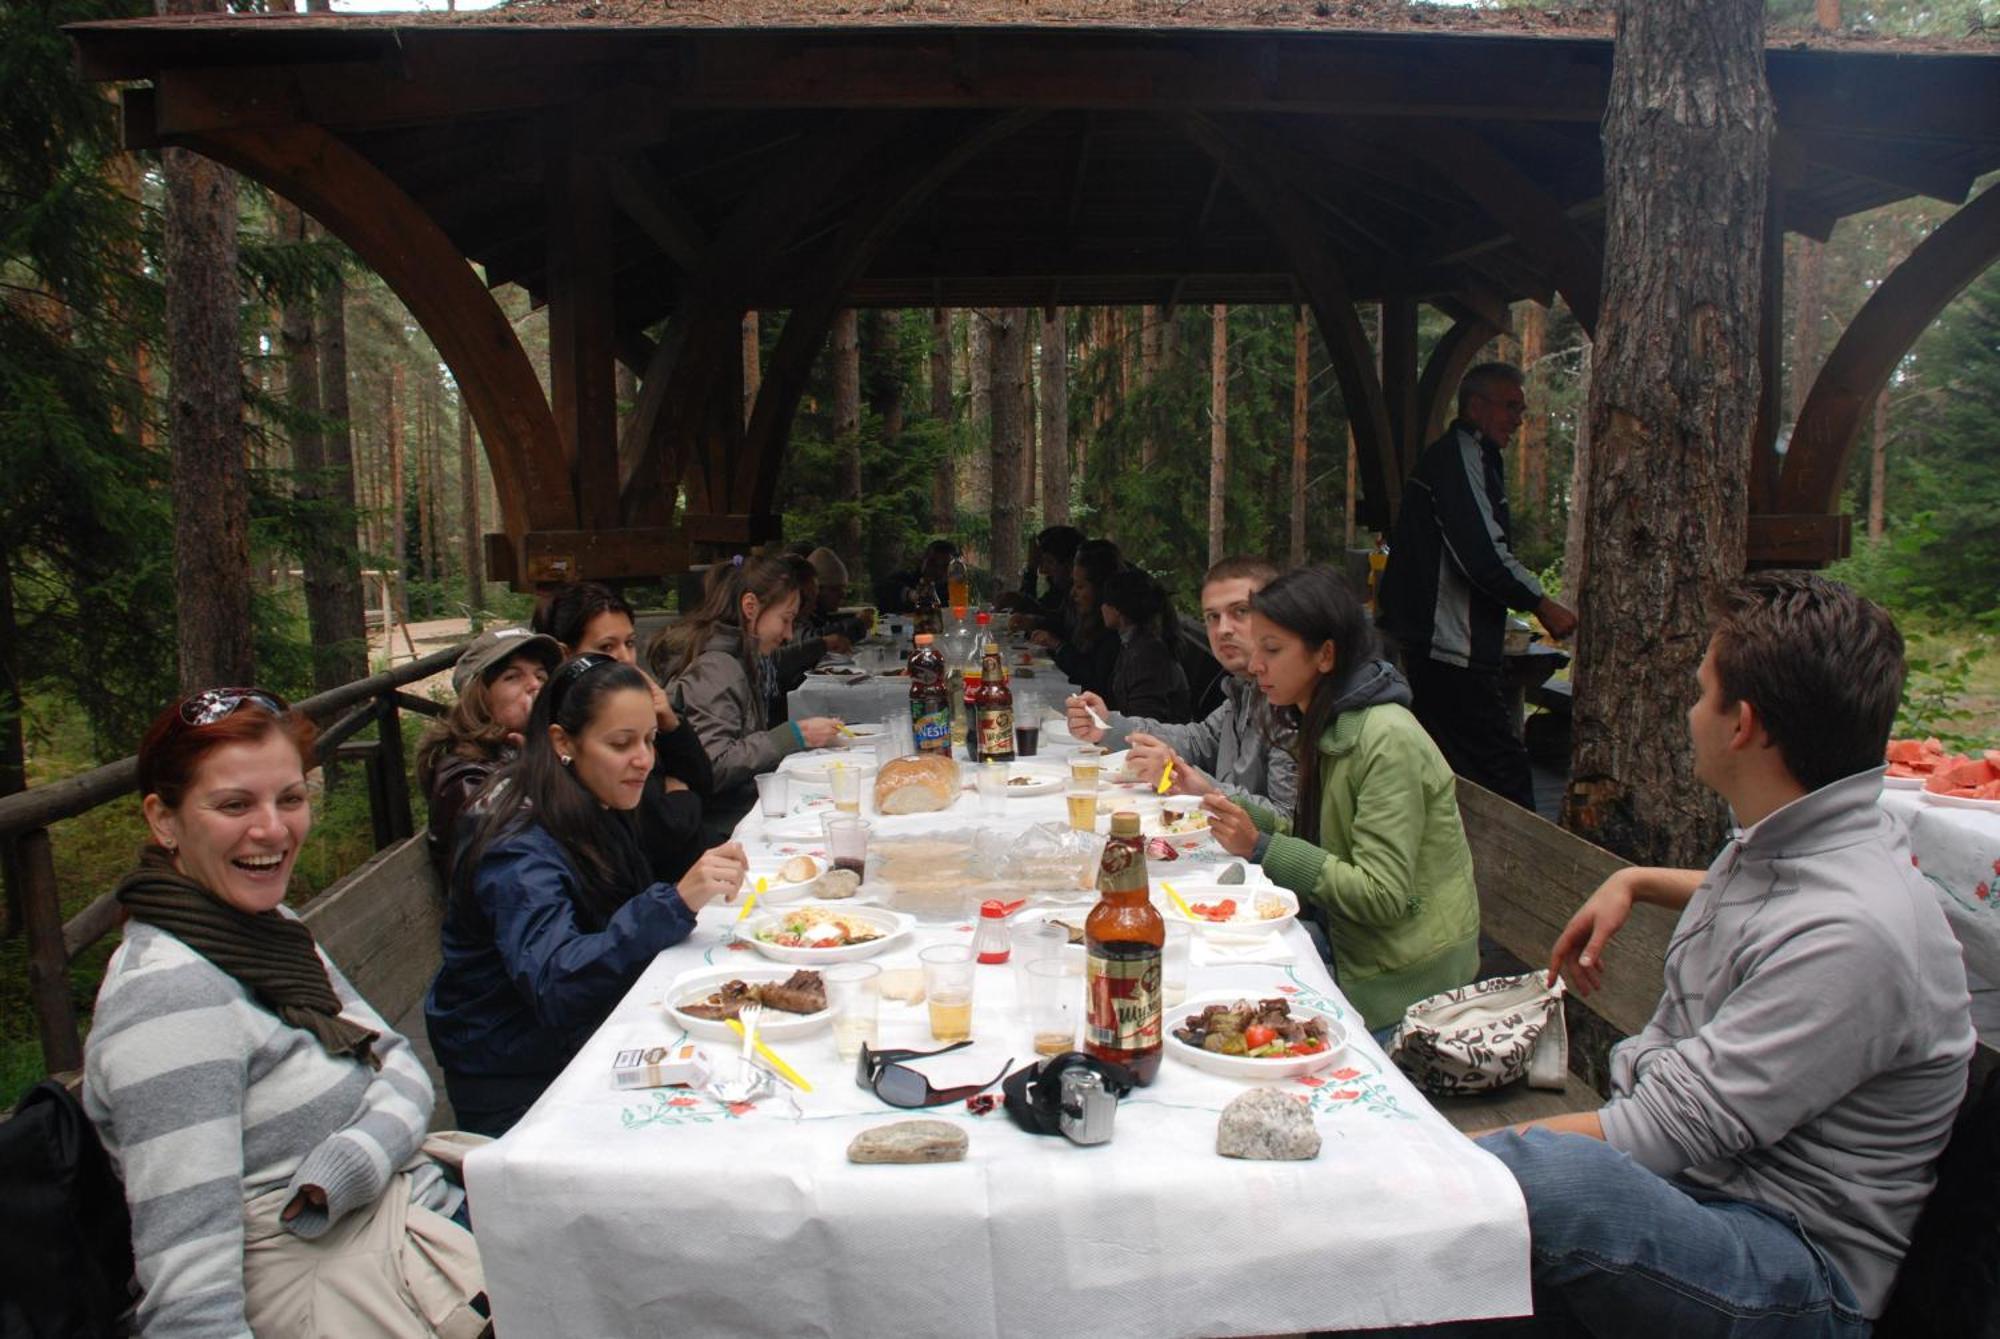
653 173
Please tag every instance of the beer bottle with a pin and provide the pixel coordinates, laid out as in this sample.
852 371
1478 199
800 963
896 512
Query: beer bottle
1123 936
930 702
993 725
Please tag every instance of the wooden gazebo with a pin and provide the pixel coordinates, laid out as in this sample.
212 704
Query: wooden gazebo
632 167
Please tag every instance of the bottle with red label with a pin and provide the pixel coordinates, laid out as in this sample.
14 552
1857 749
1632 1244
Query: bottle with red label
974 674
993 722
1123 937
930 700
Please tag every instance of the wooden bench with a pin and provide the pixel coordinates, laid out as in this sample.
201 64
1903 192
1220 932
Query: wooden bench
382 925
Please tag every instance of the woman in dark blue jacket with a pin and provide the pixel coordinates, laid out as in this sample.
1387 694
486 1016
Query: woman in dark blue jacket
554 911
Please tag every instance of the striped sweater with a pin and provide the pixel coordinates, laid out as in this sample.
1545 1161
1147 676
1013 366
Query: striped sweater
205 1100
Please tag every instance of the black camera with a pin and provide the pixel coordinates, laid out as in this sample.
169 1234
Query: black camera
1072 1094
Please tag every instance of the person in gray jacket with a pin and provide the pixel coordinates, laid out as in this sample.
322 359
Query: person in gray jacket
1239 748
1772 1132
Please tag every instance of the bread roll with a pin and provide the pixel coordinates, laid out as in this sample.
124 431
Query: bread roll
923 784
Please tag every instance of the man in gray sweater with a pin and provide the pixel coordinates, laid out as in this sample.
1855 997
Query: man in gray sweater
1772 1132
1238 748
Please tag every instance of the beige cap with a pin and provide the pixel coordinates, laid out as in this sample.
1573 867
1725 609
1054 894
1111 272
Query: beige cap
496 646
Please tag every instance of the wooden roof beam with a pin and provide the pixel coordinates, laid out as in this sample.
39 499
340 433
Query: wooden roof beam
1871 160
643 196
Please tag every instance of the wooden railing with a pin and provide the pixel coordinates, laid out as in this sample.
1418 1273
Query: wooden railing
53 944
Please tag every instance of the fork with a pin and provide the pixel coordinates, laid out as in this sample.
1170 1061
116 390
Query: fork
750 1015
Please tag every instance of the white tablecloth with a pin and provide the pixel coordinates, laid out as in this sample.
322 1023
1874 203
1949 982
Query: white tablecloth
1958 850
663 1211
883 695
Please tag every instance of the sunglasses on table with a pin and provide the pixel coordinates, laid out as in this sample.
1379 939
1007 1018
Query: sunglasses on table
885 1074
212 705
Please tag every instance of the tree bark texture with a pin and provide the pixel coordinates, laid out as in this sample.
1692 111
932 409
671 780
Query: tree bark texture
345 644
1353 486
975 479
1149 363
426 489
1301 380
1531 442
211 488
1055 417
1218 432
883 377
753 364
1878 465
944 497
846 339
398 499
1008 346
1574 567
1687 139
468 508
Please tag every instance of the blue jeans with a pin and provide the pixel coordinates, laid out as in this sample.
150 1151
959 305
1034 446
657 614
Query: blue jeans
1620 1252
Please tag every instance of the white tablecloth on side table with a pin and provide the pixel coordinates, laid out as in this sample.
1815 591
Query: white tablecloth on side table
646 1212
1959 852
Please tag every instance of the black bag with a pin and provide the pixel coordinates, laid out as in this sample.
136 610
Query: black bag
1949 1283
65 1236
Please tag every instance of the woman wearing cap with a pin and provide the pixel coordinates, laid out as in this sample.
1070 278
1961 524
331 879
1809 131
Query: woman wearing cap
589 619
496 681
267 1124
554 909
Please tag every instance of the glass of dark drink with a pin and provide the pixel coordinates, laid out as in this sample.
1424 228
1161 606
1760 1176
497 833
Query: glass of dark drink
846 842
1027 738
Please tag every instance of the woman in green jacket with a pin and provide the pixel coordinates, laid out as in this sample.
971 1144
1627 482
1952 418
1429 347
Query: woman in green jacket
1374 845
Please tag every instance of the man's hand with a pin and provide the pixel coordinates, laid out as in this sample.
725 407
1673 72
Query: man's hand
1149 757
1076 716
1231 825
820 732
312 1195
673 784
1560 620
719 873
1045 639
1578 954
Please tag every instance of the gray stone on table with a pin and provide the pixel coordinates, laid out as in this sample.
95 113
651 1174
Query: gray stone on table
1267 1125
909 1141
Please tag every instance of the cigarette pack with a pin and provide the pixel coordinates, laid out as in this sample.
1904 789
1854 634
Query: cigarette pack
660 1066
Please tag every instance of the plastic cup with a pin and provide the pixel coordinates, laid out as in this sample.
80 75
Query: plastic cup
1053 1006
854 994
774 794
846 842
1082 799
1086 766
1174 963
993 788
1036 941
949 972
845 778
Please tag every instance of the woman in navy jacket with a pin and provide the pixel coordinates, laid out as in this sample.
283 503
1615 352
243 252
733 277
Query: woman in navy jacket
554 911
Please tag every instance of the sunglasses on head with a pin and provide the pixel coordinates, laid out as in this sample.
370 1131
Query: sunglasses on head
885 1074
211 705
569 672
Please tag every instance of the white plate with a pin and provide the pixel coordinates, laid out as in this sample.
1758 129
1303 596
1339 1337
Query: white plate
1246 921
865 729
700 984
1152 821
1054 726
1245 1067
1048 778
811 766
1961 802
893 925
1902 783
778 891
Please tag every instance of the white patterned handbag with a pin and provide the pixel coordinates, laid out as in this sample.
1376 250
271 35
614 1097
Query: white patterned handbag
1485 1036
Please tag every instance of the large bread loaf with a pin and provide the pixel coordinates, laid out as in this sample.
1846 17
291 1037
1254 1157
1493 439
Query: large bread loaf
923 784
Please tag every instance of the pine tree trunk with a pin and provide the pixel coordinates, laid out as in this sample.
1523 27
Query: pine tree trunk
1008 339
344 646
398 500
883 376
1574 550
1531 466
1301 348
1031 444
847 432
753 364
211 490
1687 140
1878 465
13 742
1218 432
426 489
1353 485
944 500
1055 418
468 506
975 479
1149 362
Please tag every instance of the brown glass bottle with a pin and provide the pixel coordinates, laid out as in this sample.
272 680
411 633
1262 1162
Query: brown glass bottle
993 721
1123 936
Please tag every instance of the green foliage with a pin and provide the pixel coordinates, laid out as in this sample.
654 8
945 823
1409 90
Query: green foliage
1940 697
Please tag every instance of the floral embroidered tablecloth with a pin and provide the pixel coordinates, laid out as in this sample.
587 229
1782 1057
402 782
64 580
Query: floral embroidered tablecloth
1958 850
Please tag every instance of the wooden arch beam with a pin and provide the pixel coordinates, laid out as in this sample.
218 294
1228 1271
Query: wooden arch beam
1510 196
922 166
1938 270
1265 191
1449 359
404 245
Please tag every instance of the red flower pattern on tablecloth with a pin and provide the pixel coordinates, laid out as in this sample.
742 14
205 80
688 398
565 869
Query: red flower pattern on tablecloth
741 1108
1288 990
1981 891
681 1101
1311 1080
1345 1095
1343 1075
738 946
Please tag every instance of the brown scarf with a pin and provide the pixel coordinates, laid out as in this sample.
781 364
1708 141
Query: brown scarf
270 953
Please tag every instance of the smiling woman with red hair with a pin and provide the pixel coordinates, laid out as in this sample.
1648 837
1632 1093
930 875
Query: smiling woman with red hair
266 1121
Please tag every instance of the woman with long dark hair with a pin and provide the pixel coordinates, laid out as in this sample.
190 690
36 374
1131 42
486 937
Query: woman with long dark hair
1146 680
554 907
713 663
266 1122
1374 844
1089 653
586 618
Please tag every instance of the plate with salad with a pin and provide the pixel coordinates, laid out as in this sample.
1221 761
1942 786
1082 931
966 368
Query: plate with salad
1242 1038
815 932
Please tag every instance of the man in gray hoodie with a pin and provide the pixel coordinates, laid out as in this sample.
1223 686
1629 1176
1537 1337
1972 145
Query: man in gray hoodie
1772 1132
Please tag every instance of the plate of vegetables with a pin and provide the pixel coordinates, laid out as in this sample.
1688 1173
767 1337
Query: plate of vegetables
1241 1038
816 932
1230 909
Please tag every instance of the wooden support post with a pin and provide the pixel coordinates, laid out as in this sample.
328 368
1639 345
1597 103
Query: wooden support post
1437 391
48 963
1399 381
395 777
368 753
582 343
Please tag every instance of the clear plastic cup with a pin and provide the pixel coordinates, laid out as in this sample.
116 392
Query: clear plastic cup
1082 800
1174 959
774 794
846 842
1035 941
854 994
845 779
949 973
993 788
1053 1006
